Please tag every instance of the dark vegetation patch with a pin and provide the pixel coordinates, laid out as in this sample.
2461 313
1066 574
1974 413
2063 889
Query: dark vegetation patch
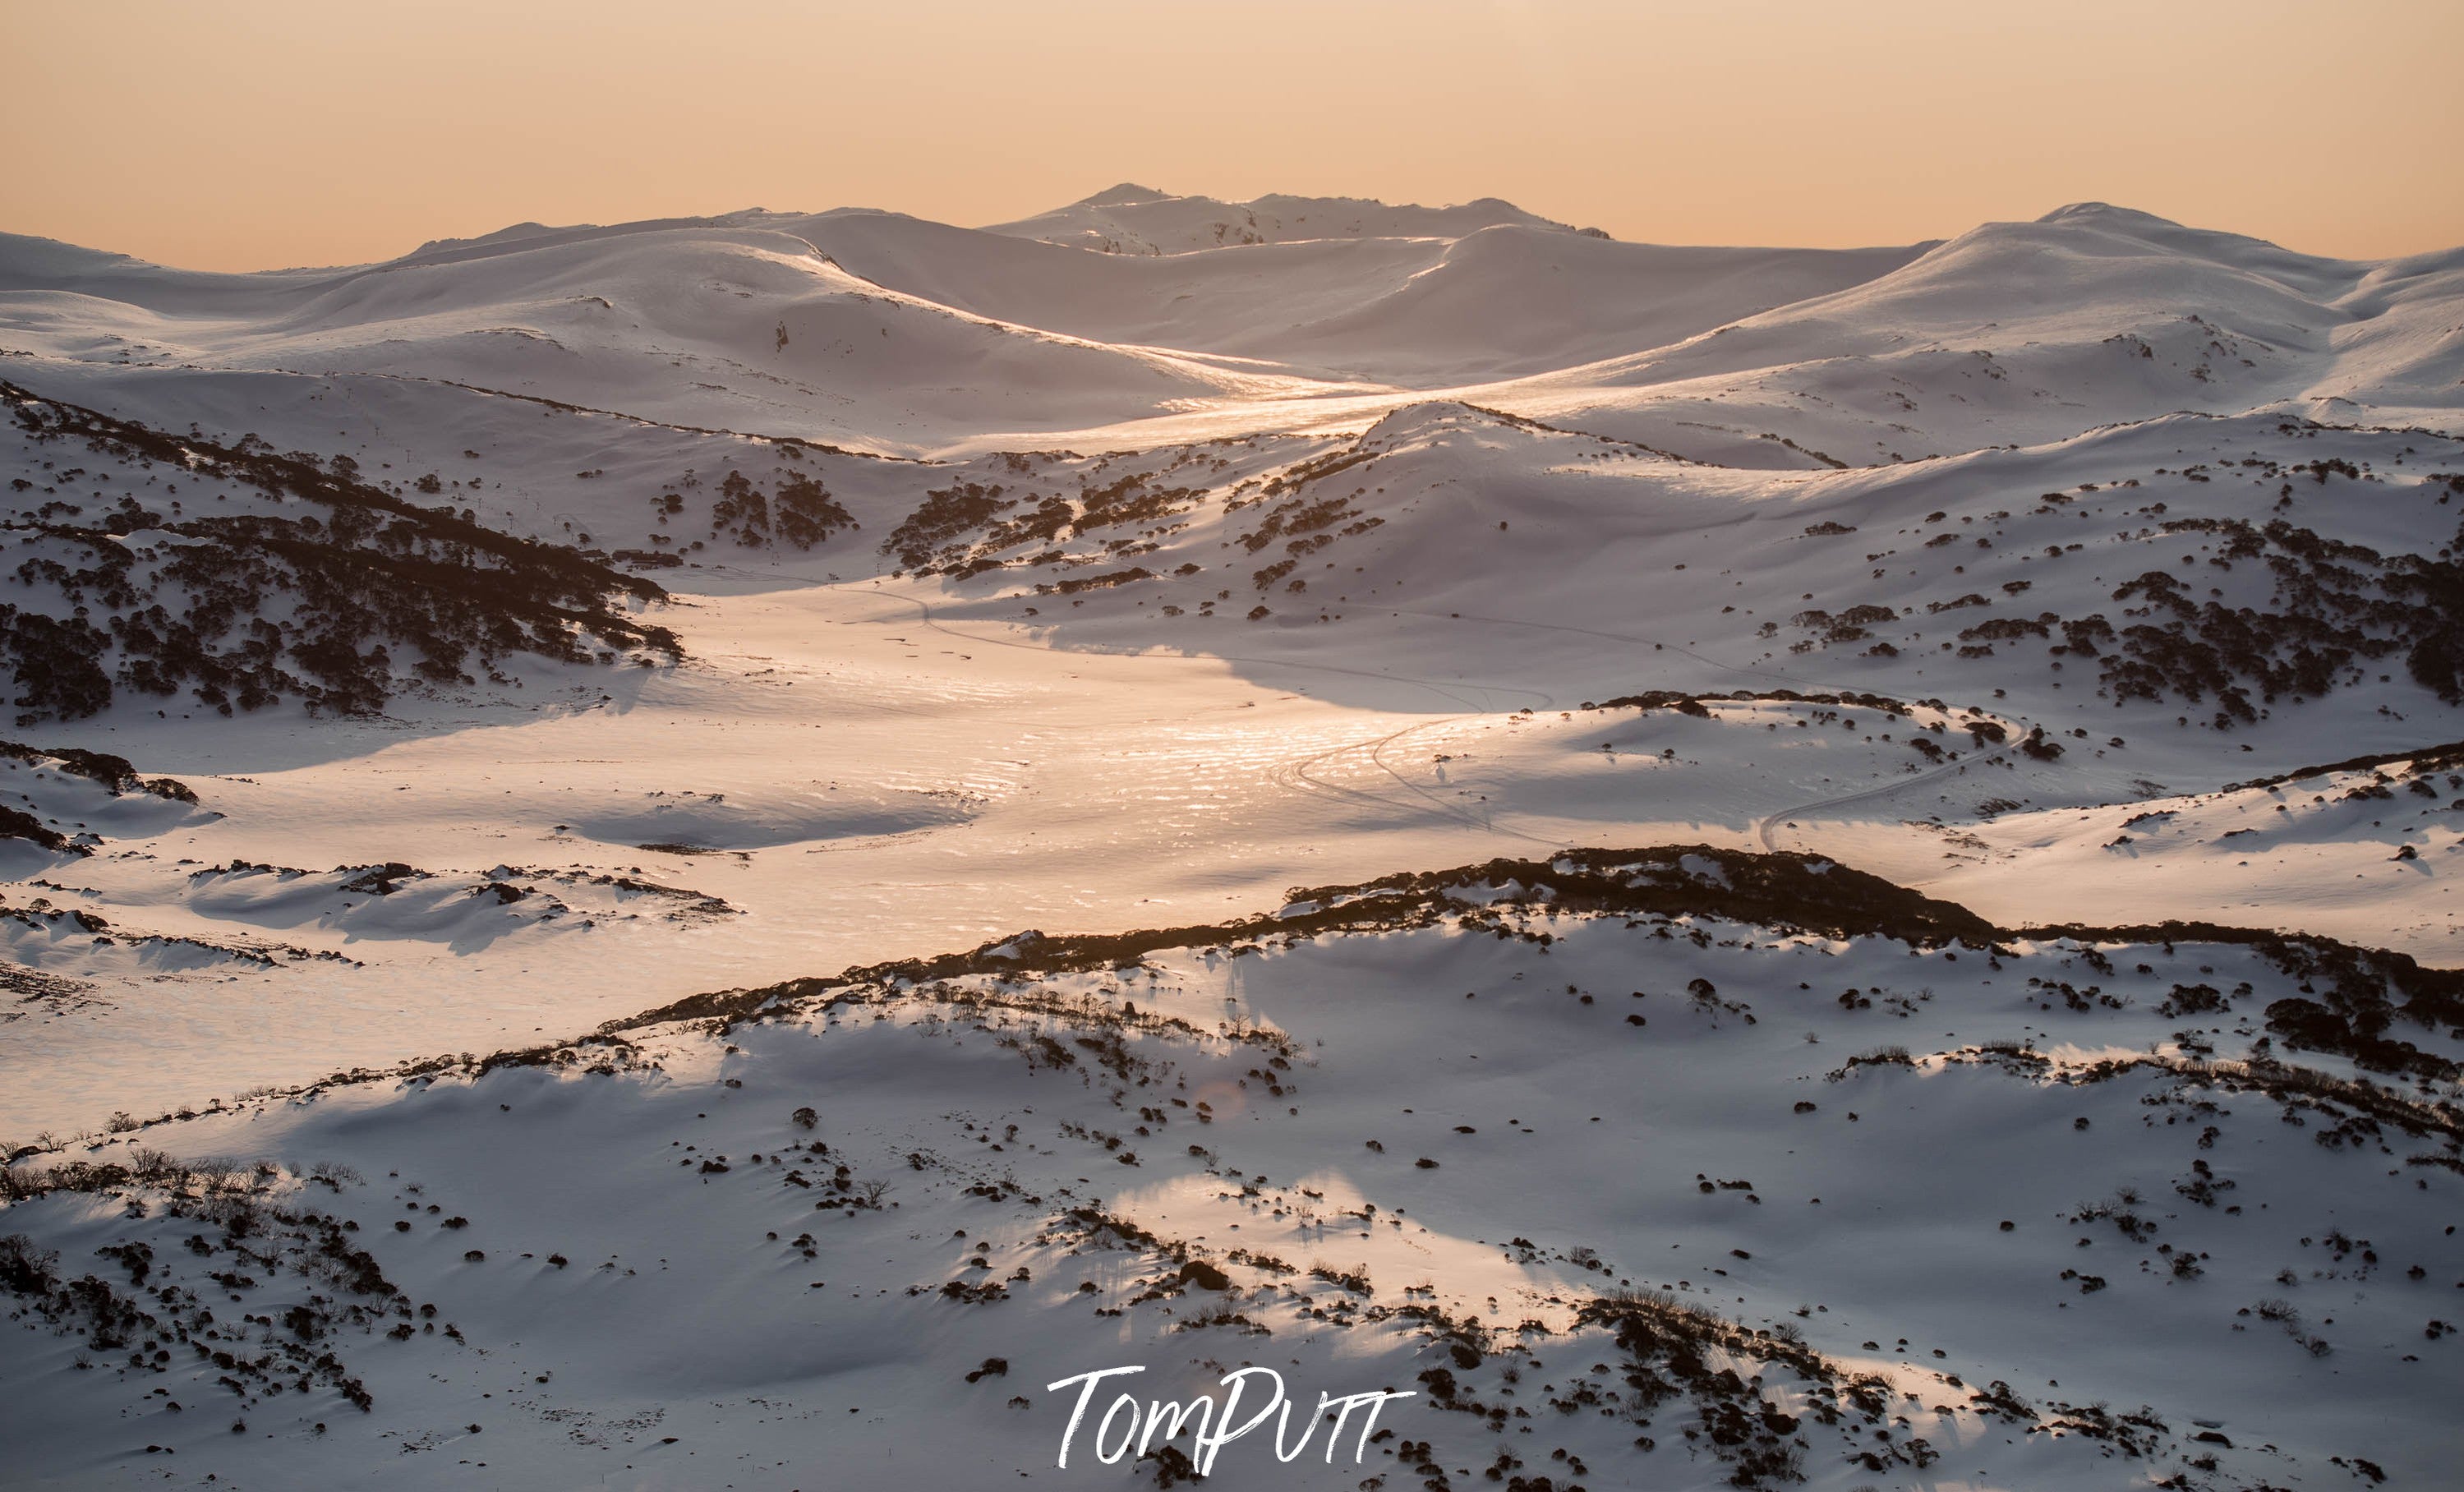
969 527
114 775
2333 603
33 984
242 1235
1878 1057
939 523
1827 459
1691 704
17 823
247 609
1678 1352
1072 588
2333 608
1305 524
2423 758
1981 730
2355 995
801 512
2354 1106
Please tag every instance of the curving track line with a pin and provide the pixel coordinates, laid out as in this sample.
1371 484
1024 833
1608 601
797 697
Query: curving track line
1885 790
1296 772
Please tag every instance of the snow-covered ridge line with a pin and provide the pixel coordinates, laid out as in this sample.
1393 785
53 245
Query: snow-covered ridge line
2447 754
559 405
1783 892
1792 894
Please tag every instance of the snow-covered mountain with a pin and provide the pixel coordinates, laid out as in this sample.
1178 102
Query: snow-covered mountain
1140 220
1652 825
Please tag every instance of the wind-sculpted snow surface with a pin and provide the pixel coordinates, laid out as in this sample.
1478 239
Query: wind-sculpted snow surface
466 706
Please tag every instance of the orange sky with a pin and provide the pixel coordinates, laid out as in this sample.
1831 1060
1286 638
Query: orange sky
263 133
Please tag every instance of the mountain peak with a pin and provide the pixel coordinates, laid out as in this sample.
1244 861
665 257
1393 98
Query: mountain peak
1122 192
1133 219
2106 212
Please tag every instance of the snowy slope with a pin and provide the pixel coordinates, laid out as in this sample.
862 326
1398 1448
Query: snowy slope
650 653
2025 332
850 1209
706 325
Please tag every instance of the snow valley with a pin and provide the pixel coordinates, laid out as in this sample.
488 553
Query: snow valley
666 855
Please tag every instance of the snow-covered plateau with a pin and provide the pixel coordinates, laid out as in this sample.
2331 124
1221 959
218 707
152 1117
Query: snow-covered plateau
726 852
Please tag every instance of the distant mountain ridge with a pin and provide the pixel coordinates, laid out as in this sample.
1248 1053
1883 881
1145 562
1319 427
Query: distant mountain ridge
1133 219
1135 315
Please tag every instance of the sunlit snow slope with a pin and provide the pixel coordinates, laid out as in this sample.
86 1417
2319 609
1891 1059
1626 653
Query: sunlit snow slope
701 853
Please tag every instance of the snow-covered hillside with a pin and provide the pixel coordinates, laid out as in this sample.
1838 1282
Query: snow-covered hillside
502 735
1681 1169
